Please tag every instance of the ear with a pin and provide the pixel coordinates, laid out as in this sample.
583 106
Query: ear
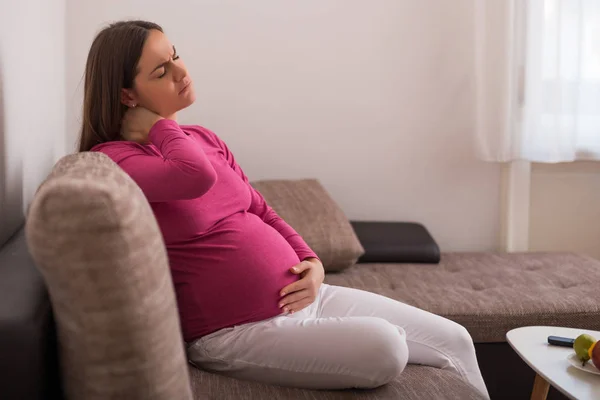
128 97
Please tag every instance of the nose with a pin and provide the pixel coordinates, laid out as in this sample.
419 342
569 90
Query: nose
179 72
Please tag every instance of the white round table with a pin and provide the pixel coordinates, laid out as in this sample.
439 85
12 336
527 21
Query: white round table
551 364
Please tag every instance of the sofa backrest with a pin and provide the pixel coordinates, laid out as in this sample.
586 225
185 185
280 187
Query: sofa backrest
96 242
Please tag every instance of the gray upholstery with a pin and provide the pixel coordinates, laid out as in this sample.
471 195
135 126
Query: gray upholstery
490 294
415 383
93 236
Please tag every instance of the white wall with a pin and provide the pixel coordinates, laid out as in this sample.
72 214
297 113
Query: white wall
373 98
32 102
565 208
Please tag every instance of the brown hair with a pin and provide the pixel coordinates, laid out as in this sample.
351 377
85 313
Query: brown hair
111 66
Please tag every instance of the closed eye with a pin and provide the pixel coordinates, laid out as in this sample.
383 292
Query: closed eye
174 57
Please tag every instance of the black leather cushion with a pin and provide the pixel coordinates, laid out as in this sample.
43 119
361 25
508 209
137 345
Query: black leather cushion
396 242
28 356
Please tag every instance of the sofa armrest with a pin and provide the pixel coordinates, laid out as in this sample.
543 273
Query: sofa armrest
92 234
28 365
396 242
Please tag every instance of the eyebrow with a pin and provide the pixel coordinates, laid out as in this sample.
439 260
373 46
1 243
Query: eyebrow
164 63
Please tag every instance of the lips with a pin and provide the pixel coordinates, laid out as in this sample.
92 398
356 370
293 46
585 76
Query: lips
187 85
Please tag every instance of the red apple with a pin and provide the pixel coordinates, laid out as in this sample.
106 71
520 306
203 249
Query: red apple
596 355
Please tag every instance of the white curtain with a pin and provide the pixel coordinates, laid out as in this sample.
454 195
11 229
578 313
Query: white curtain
538 79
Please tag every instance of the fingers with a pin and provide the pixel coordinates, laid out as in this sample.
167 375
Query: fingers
292 298
297 301
300 268
301 293
298 305
294 287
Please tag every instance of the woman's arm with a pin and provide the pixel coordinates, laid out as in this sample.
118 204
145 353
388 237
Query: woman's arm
183 172
260 207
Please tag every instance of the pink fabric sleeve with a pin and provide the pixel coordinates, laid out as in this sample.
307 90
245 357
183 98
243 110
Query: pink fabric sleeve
260 207
184 172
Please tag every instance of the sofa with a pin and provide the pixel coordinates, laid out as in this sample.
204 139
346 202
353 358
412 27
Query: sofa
88 308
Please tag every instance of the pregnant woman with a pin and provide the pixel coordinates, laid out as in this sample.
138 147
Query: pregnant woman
250 292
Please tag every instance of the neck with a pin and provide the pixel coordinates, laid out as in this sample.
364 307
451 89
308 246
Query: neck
172 117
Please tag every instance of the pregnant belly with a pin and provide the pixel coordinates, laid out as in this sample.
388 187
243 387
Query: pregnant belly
232 275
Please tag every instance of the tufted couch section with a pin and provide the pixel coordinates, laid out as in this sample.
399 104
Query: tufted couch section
489 293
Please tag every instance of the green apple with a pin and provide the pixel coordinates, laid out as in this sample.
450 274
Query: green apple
582 346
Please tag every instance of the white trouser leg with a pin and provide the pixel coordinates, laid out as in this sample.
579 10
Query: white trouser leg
305 351
432 340
346 338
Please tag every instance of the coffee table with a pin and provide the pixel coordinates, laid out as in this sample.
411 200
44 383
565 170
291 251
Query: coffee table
551 364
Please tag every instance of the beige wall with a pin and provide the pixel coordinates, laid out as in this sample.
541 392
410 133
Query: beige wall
374 98
565 207
32 102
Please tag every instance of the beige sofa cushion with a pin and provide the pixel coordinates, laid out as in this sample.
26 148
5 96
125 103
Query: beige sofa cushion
491 293
416 382
95 239
308 208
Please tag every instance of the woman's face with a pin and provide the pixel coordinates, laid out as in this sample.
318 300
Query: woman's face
162 83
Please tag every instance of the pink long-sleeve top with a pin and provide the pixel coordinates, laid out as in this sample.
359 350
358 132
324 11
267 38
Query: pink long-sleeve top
229 252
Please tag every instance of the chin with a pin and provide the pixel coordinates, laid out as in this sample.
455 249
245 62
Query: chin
189 100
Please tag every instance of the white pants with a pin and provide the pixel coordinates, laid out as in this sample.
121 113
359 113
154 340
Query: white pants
347 338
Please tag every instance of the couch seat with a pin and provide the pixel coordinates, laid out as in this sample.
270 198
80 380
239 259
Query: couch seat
491 293
415 383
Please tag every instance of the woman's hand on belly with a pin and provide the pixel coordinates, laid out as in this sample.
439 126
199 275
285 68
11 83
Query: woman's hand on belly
303 292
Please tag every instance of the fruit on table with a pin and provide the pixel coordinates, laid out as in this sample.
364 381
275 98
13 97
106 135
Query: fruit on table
594 353
582 346
591 349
